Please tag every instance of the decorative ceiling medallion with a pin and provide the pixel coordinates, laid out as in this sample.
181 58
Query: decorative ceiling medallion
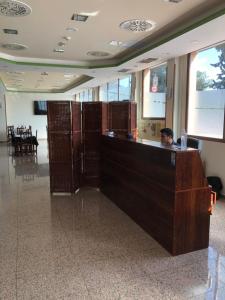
14 8
14 46
98 53
137 25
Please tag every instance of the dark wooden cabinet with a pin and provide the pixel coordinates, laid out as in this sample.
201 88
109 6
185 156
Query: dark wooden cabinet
123 117
163 189
94 123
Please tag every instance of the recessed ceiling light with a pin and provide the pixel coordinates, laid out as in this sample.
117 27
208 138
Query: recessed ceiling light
79 18
147 60
58 50
124 70
14 46
98 53
67 38
89 14
71 29
68 75
15 72
115 43
61 44
10 31
137 25
173 1
14 8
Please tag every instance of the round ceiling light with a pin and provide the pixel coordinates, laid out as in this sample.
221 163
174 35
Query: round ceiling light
14 8
14 46
137 25
98 53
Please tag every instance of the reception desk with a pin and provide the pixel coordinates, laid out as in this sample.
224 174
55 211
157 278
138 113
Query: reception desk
163 189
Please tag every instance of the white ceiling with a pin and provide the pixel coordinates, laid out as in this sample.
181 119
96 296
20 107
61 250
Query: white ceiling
45 27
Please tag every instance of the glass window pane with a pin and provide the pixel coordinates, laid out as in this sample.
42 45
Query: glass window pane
154 100
85 95
103 93
125 88
113 91
90 98
207 93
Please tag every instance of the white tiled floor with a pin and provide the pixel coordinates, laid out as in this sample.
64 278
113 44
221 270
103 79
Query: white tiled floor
84 247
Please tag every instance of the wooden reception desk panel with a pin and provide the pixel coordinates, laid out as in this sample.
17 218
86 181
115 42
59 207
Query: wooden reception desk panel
162 188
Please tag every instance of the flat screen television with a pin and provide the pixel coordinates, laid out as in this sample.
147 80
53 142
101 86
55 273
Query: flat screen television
40 107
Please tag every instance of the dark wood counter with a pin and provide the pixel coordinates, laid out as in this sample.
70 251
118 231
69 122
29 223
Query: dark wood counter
162 188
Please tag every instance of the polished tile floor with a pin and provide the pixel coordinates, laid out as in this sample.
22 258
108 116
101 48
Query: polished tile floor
84 247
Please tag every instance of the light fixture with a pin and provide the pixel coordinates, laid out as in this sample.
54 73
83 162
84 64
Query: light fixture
71 29
59 50
116 43
147 60
67 38
61 44
68 75
89 14
173 1
98 53
14 46
79 18
137 25
10 31
14 8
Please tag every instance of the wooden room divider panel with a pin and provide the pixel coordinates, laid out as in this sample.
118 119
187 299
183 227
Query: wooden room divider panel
60 146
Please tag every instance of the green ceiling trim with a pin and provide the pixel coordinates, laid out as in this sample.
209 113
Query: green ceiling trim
148 47
174 35
56 65
82 80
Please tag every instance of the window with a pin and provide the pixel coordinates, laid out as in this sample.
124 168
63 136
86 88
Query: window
113 90
85 96
103 92
154 94
117 90
207 93
125 88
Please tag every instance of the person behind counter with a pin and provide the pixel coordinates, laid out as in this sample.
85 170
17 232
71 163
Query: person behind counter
167 137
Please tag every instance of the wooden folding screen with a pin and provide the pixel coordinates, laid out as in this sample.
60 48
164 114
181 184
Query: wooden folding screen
123 117
76 143
94 123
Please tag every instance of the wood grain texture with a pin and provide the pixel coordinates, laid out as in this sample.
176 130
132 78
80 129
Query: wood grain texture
162 189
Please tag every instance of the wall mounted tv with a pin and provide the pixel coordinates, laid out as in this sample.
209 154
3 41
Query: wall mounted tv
40 107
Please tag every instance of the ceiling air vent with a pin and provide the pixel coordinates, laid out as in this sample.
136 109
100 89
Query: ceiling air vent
10 31
173 1
14 46
14 8
137 25
98 53
124 70
147 60
79 18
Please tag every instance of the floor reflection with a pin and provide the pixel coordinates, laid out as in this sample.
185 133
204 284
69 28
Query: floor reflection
84 247
28 168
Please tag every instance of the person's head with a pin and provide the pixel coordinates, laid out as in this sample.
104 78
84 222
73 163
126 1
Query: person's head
166 136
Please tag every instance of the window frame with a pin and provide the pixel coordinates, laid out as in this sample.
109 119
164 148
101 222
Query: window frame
204 138
142 94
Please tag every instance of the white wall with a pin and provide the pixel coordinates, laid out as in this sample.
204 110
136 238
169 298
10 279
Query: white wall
213 156
20 110
2 114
